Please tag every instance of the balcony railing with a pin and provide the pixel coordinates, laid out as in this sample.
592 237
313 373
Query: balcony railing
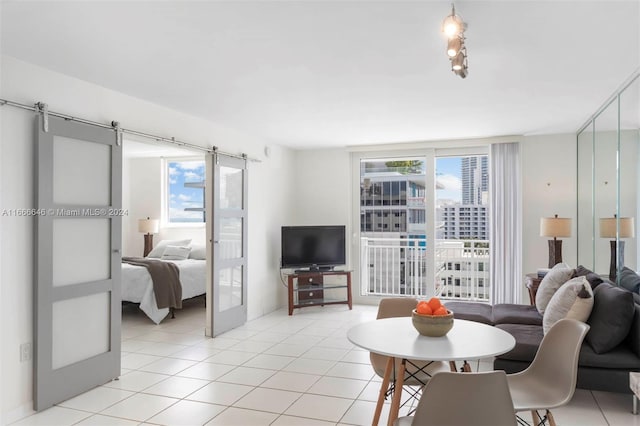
398 266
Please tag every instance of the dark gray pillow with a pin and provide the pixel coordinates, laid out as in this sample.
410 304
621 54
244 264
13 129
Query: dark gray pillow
629 280
611 317
593 278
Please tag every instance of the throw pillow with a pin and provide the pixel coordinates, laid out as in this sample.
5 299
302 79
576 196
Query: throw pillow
611 317
176 253
629 280
159 249
198 251
558 275
574 299
593 278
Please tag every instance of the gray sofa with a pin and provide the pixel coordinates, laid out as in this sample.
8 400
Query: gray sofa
600 367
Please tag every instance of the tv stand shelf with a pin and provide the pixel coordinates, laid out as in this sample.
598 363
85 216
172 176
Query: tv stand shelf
307 288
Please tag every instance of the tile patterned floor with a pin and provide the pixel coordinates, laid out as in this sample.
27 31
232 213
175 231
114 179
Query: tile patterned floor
276 370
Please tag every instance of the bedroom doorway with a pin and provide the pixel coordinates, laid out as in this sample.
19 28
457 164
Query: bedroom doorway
165 183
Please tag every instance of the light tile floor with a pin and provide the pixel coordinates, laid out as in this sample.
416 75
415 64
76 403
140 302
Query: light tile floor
275 370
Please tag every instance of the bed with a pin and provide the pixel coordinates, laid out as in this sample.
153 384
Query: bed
137 286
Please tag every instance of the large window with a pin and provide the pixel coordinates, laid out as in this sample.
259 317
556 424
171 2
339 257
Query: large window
185 179
424 224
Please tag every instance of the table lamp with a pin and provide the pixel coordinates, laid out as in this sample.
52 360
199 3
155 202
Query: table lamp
616 228
149 227
556 227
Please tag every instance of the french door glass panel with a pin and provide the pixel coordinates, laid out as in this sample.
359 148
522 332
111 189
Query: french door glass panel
81 182
231 294
77 260
72 343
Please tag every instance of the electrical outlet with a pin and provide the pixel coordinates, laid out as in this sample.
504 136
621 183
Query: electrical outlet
25 352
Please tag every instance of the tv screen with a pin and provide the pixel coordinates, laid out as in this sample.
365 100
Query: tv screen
314 247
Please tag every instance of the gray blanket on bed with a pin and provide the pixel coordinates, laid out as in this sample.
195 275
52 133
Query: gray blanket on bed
166 280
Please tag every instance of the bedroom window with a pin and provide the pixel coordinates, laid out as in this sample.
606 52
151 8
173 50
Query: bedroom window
185 180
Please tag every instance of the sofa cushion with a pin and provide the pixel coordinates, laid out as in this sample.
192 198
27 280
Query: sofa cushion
629 280
593 278
611 317
558 275
619 357
574 299
472 311
528 338
509 313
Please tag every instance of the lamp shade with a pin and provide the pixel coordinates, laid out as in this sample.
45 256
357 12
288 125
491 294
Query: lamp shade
148 226
608 227
555 227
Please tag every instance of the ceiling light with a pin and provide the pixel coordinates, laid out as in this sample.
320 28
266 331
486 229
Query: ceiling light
454 46
457 62
454 27
452 24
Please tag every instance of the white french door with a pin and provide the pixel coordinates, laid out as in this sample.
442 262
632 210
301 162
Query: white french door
227 248
77 300
423 223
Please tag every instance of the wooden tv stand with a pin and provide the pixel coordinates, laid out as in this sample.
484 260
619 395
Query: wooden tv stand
307 288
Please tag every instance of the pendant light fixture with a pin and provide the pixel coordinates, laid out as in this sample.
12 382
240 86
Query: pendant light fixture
454 27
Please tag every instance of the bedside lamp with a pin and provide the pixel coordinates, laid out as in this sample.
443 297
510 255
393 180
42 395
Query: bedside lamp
149 227
609 229
556 227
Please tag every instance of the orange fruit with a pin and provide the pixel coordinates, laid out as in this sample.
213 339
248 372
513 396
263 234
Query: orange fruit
423 308
441 311
434 304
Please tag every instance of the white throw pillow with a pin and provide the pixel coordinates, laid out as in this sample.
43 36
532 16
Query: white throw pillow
176 253
198 251
558 275
159 249
574 300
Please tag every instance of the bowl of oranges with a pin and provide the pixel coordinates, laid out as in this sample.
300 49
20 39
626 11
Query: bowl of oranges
431 318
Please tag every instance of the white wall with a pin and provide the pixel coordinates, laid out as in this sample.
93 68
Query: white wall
549 184
270 189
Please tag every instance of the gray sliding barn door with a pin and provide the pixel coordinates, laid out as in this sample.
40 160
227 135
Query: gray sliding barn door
77 274
227 230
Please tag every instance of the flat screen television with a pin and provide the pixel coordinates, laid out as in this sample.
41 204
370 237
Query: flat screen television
313 247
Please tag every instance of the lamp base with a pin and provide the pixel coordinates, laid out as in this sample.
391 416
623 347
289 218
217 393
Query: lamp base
555 252
617 259
148 244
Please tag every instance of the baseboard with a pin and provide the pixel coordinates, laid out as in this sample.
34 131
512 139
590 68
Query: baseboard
18 413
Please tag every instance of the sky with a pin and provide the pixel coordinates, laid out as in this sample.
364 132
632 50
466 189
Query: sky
180 197
449 174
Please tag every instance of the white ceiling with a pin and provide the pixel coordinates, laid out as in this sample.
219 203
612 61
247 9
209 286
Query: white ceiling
333 73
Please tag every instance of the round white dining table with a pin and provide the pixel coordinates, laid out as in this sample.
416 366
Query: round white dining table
397 338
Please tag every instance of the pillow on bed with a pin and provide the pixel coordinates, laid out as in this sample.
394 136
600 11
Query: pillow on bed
159 249
176 253
198 251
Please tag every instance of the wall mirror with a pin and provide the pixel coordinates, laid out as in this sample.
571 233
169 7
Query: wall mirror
608 183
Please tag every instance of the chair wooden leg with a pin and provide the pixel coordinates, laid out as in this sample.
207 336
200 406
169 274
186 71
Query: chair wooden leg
397 394
552 421
453 367
383 391
536 418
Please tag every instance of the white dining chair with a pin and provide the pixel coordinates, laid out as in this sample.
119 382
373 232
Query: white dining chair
550 380
469 399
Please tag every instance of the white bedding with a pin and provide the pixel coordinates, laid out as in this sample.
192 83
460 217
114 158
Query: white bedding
137 286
